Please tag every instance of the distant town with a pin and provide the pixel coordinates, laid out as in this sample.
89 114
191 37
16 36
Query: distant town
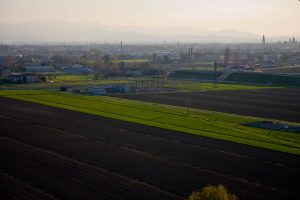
129 60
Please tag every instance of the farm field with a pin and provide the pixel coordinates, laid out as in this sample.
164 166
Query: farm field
64 154
252 78
192 121
11 188
193 86
278 103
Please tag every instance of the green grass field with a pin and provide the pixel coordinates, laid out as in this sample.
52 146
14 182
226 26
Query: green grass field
74 80
197 87
192 121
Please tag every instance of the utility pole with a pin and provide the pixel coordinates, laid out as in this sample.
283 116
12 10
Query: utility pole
121 43
215 73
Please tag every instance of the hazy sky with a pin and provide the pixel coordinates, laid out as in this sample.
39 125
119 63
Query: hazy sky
271 17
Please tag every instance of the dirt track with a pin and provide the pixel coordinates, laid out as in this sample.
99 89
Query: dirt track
72 155
281 104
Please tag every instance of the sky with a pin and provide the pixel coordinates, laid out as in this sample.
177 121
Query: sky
270 17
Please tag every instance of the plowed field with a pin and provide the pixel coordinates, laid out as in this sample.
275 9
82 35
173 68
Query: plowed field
64 154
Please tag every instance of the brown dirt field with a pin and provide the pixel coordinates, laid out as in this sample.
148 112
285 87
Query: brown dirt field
79 156
280 104
68 178
9 185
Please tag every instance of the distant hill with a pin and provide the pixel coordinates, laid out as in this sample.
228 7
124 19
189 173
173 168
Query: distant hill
57 31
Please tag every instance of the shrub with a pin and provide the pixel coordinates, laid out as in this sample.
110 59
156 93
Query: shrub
212 193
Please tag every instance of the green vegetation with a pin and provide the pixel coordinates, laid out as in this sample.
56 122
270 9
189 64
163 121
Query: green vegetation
212 193
193 121
74 80
196 86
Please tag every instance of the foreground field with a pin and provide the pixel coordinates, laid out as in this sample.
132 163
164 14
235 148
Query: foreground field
192 121
63 154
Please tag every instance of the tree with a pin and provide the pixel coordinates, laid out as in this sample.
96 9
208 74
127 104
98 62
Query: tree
107 63
107 59
212 193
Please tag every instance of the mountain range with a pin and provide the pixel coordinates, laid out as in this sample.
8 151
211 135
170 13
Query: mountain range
58 31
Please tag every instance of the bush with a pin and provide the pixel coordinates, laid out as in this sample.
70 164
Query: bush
212 193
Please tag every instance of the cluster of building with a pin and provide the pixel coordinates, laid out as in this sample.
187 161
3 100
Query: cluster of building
29 63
